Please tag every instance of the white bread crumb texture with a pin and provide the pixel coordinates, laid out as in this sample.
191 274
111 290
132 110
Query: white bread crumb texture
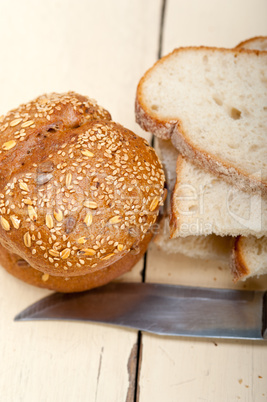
222 111
203 204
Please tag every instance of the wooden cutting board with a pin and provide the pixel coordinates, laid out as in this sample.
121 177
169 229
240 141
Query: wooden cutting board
101 49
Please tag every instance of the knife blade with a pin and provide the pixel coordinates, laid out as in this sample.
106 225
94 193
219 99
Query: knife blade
161 309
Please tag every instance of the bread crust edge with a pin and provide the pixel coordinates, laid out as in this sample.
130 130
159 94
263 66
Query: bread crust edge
79 283
250 40
214 164
238 267
174 221
161 128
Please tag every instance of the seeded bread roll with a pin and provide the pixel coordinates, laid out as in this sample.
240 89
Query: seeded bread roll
77 190
19 268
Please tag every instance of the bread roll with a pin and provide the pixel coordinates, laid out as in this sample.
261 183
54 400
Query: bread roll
78 191
19 268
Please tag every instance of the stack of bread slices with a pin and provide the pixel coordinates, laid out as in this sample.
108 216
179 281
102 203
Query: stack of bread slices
208 108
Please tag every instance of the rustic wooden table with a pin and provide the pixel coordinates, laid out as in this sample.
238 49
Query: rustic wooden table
101 49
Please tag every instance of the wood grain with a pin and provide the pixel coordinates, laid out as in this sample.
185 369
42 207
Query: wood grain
202 370
212 23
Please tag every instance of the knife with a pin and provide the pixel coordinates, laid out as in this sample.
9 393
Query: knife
161 309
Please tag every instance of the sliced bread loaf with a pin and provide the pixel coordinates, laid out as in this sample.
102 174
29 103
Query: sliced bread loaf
203 204
210 247
212 103
249 254
249 257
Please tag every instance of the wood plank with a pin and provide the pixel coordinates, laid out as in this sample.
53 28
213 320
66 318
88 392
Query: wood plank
212 23
197 370
202 370
99 49
179 269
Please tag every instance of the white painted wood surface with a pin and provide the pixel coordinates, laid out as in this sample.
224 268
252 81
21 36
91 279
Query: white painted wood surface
101 49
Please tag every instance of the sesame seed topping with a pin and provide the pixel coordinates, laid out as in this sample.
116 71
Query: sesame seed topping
111 178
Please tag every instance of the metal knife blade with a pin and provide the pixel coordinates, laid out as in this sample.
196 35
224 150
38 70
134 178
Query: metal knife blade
161 309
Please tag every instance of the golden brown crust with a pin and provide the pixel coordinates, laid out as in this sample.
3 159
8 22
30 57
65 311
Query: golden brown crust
77 190
173 129
243 44
238 266
41 126
174 214
20 269
161 128
215 165
145 117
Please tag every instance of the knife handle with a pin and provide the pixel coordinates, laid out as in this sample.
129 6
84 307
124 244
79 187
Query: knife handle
264 316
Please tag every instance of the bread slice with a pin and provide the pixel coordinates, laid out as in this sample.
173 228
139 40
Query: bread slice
210 247
203 204
249 257
258 42
166 151
168 156
212 103
202 247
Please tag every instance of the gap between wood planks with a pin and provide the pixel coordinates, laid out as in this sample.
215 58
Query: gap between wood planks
135 358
